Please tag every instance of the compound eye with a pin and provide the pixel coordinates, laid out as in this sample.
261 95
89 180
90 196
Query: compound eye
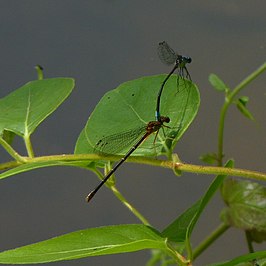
188 59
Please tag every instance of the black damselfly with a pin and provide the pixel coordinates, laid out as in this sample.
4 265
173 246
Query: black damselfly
146 131
168 56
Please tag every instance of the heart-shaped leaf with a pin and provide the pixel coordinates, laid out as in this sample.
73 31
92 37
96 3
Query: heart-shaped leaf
24 109
127 109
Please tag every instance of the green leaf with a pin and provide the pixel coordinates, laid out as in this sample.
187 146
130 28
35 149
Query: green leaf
131 106
210 158
180 230
259 256
24 109
217 83
8 136
246 206
244 100
85 243
241 106
82 145
36 165
177 231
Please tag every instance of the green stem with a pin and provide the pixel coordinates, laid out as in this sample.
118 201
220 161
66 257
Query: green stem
247 80
229 99
249 242
11 151
11 164
123 199
209 240
179 258
189 249
129 206
250 246
221 171
221 135
29 146
79 159
39 72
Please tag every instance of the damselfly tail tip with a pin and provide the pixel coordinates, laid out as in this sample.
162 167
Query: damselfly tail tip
90 196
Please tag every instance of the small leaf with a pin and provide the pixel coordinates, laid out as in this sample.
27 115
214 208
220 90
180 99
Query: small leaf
132 106
217 83
246 206
241 106
24 109
209 158
85 243
244 100
8 136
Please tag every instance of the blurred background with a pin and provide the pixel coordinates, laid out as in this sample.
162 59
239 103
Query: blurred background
103 44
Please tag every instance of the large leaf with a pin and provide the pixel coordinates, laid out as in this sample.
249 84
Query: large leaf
85 243
246 207
180 230
49 163
24 109
131 106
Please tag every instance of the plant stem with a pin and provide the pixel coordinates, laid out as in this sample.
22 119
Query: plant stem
247 80
123 199
11 151
78 160
39 70
179 258
29 146
249 242
129 206
221 171
209 240
228 101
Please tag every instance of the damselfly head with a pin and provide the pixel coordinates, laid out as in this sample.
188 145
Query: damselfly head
182 60
187 59
164 119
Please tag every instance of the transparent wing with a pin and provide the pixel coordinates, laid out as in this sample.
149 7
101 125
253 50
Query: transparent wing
166 54
117 143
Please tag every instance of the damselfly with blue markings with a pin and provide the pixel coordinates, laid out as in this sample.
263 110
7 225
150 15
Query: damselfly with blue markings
168 56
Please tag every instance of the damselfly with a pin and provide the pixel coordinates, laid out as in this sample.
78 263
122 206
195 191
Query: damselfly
168 56
138 136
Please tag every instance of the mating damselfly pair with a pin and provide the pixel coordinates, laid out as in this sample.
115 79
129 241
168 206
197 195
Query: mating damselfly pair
139 136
